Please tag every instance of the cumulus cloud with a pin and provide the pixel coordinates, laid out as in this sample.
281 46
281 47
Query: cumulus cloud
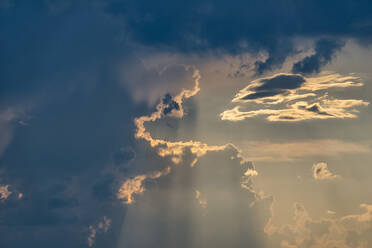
172 107
321 172
221 165
176 150
291 90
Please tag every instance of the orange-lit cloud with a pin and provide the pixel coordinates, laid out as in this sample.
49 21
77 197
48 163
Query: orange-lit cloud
300 111
321 172
176 149
4 192
289 89
134 186
173 107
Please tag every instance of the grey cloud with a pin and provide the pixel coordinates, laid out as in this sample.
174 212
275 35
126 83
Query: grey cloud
220 27
276 85
170 104
325 49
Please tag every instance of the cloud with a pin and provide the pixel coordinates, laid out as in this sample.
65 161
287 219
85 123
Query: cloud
150 76
292 89
321 172
167 107
301 111
282 87
135 186
346 231
324 51
222 167
212 27
278 85
4 192
102 226
291 151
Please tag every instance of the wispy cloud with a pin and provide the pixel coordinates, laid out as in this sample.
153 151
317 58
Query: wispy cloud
135 186
291 151
4 192
289 91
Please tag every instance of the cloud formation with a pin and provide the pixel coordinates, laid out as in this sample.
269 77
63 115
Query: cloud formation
172 107
291 90
321 172
4 192
272 26
135 186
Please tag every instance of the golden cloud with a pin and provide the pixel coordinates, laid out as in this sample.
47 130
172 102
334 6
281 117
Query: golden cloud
289 88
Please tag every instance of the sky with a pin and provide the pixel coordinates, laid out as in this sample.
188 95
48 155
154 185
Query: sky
190 124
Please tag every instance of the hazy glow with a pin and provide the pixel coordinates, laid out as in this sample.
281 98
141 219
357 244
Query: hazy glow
292 151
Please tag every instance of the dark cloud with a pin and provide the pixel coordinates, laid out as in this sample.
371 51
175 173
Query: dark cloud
316 109
57 70
170 104
324 51
279 84
234 27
